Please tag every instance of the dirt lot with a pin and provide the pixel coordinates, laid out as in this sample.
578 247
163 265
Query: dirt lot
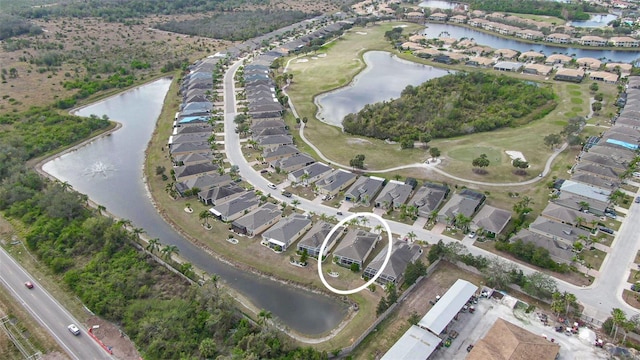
110 335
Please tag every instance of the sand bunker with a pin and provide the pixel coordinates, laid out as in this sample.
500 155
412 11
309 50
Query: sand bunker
515 155
302 60
355 141
322 55
361 33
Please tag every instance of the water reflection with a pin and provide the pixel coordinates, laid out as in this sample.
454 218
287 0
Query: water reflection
384 78
598 20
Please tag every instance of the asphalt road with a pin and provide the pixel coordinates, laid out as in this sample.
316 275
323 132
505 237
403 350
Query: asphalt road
47 311
599 298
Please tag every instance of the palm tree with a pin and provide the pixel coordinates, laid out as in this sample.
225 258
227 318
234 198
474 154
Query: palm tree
168 251
295 203
579 221
412 236
379 228
364 220
619 318
100 209
462 222
125 223
153 245
263 316
138 232
205 215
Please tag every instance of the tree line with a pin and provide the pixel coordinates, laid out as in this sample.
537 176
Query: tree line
11 25
237 26
565 10
163 314
452 105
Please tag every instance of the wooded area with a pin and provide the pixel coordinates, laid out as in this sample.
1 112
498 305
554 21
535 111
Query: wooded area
166 316
237 26
563 10
458 104
14 25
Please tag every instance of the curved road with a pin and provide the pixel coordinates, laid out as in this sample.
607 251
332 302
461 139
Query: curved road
48 311
598 298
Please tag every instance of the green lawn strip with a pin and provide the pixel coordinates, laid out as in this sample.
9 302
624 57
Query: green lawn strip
629 187
552 20
593 257
612 224
605 239
455 233
633 276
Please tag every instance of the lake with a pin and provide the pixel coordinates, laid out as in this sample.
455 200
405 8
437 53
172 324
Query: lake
110 171
434 30
598 20
384 78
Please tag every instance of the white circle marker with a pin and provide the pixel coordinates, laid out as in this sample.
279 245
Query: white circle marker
384 264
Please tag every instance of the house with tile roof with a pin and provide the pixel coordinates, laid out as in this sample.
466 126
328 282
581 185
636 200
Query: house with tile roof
280 152
257 220
309 174
186 172
203 182
402 254
219 194
466 202
292 163
571 217
393 195
559 251
313 239
429 198
491 220
558 231
355 248
364 190
334 182
237 207
286 232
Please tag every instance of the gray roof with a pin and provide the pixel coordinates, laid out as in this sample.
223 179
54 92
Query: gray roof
204 182
193 158
282 150
626 120
198 106
620 154
464 202
275 139
192 137
624 130
259 217
364 189
335 179
395 193
401 255
441 314
589 179
356 244
257 125
204 128
573 201
429 197
315 236
215 193
269 131
194 169
556 230
558 250
492 219
585 190
313 170
567 215
189 147
509 65
413 342
604 161
293 161
284 233
236 205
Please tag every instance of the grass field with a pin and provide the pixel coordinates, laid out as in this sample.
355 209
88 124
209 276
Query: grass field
551 20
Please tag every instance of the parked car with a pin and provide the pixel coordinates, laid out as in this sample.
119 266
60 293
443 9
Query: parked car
272 186
73 329
28 284
472 234
264 171
286 193
606 229
638 199
340 213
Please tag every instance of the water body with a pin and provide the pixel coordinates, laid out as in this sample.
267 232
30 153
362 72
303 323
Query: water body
599 20
439 4
496 42
109 171
384 78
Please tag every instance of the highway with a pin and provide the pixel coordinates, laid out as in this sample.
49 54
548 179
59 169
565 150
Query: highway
598 299
47 311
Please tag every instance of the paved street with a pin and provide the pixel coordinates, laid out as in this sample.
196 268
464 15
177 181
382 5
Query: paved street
47 311
603 295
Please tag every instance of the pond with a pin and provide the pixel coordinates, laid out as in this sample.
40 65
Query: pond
442 5
598 20
384 78
109 171
434 30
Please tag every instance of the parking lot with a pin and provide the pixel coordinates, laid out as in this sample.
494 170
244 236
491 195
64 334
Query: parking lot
473 327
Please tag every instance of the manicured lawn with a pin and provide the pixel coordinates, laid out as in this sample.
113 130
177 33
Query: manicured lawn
631 298
631 188
605 239
542 18
577 100
634 276
593 257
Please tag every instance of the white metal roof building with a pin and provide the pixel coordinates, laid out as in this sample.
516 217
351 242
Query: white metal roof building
441 314
415 344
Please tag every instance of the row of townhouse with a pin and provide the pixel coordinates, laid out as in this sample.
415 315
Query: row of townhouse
580 205
530 34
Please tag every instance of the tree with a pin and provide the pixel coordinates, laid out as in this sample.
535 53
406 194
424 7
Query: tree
594 87
357 162
355 267
168 251
208 348
411 236
434 152
540 285
264 316
520 165
619 318
413 271
462 222
304 256
498 273
138 232
392 292
101 209
205 215
552 140
414 318
295 203
153 245
480 162
596 106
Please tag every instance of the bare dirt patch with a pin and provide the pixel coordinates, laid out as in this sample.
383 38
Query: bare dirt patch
631 298
122 347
